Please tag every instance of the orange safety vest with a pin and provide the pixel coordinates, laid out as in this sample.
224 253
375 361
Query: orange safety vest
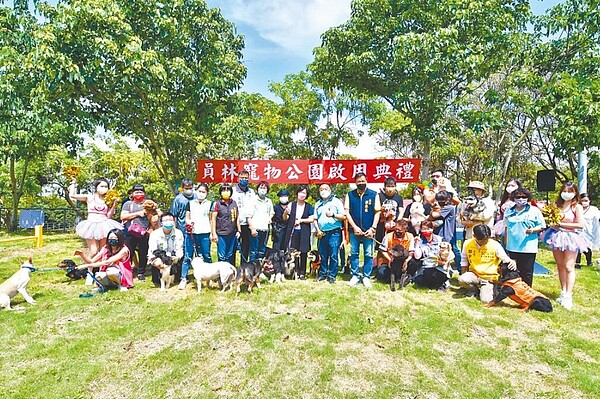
524 295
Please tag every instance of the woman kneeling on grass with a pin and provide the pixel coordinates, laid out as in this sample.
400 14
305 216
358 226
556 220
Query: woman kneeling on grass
113 261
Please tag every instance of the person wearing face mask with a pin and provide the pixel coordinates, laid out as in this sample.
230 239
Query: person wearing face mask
113 261
523 223
278 222
565 241
99 219
480 260
244 197
398 236
169 239
417 202
427 248
444 218
136 225
197 231
478 209
506 201
225 225
392 208
298 216
328 217
179 208
260 222
362 210
591 228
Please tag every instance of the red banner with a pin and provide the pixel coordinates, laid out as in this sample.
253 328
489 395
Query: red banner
313 171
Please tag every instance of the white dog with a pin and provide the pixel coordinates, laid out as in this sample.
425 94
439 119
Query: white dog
224 271
417 215
17 283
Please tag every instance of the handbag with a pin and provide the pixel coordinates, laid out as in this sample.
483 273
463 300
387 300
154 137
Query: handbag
137 230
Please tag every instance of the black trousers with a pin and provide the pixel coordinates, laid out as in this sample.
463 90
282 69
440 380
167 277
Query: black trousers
525 262
141 245
588 257
245 236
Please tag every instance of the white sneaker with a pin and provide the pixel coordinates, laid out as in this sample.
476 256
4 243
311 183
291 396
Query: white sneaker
89 280
367 282
354 281
561 297
96 290
123 289
567 302
182 284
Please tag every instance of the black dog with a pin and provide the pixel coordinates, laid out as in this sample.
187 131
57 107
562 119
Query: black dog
315 262
72 272
247 273
513 286
399 254
274 264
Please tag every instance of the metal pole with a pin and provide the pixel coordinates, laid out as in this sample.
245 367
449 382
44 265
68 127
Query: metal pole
582 180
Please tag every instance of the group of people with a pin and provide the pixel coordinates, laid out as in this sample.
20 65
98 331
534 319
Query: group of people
243 219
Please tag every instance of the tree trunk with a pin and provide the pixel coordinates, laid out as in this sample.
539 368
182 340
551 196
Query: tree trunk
16 188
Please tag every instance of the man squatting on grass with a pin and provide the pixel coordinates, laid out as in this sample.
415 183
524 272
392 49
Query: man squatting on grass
480 259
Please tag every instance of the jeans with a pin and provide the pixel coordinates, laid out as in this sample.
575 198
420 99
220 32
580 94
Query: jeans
225 248
258 245
367 243
329 245
456 253
201 244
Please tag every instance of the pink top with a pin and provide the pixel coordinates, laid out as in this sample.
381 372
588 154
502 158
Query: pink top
98 211
124 266
568 216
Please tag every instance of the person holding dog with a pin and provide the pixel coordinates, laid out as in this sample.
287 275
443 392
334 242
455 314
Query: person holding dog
399 236
169 239
136 225
225 225
362 210
113 261
480 260
523 222
299 217
392 208
197 230
427 248
477 208
328 218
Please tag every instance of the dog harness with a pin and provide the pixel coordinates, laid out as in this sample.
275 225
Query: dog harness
524 295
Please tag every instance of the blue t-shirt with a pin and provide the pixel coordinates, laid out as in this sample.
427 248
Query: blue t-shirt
517 222
328 223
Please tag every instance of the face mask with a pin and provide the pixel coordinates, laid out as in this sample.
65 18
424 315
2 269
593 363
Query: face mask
361 186
521 201
188 192
226 195
201 196
427 233
567 196
399 233
283 200
168 225
417 198
113 242
510 189
325 194
262 192
139 197
390 191
102 190
244 183
301 196
585 204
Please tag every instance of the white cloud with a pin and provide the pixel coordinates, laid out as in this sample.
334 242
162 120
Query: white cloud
293 25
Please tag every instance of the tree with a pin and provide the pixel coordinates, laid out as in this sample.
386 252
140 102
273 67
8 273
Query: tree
420 56
159 72
28 125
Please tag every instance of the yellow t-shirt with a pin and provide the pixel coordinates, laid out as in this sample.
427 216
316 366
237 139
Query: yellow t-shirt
483 261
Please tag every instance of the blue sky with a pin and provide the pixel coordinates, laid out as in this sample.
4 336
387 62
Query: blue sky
281 34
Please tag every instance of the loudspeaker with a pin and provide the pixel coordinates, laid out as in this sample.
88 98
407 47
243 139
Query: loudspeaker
546 180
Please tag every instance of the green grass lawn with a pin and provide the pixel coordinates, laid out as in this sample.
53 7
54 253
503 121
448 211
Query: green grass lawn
297 339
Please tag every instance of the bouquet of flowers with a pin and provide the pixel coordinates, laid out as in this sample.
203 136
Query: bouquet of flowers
111 196
70 172
552 215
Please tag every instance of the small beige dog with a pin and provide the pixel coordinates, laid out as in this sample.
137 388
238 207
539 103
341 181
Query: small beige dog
166 266
445 257
17 284
203 271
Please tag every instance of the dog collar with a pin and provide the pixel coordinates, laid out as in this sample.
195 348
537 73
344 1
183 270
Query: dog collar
28 267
